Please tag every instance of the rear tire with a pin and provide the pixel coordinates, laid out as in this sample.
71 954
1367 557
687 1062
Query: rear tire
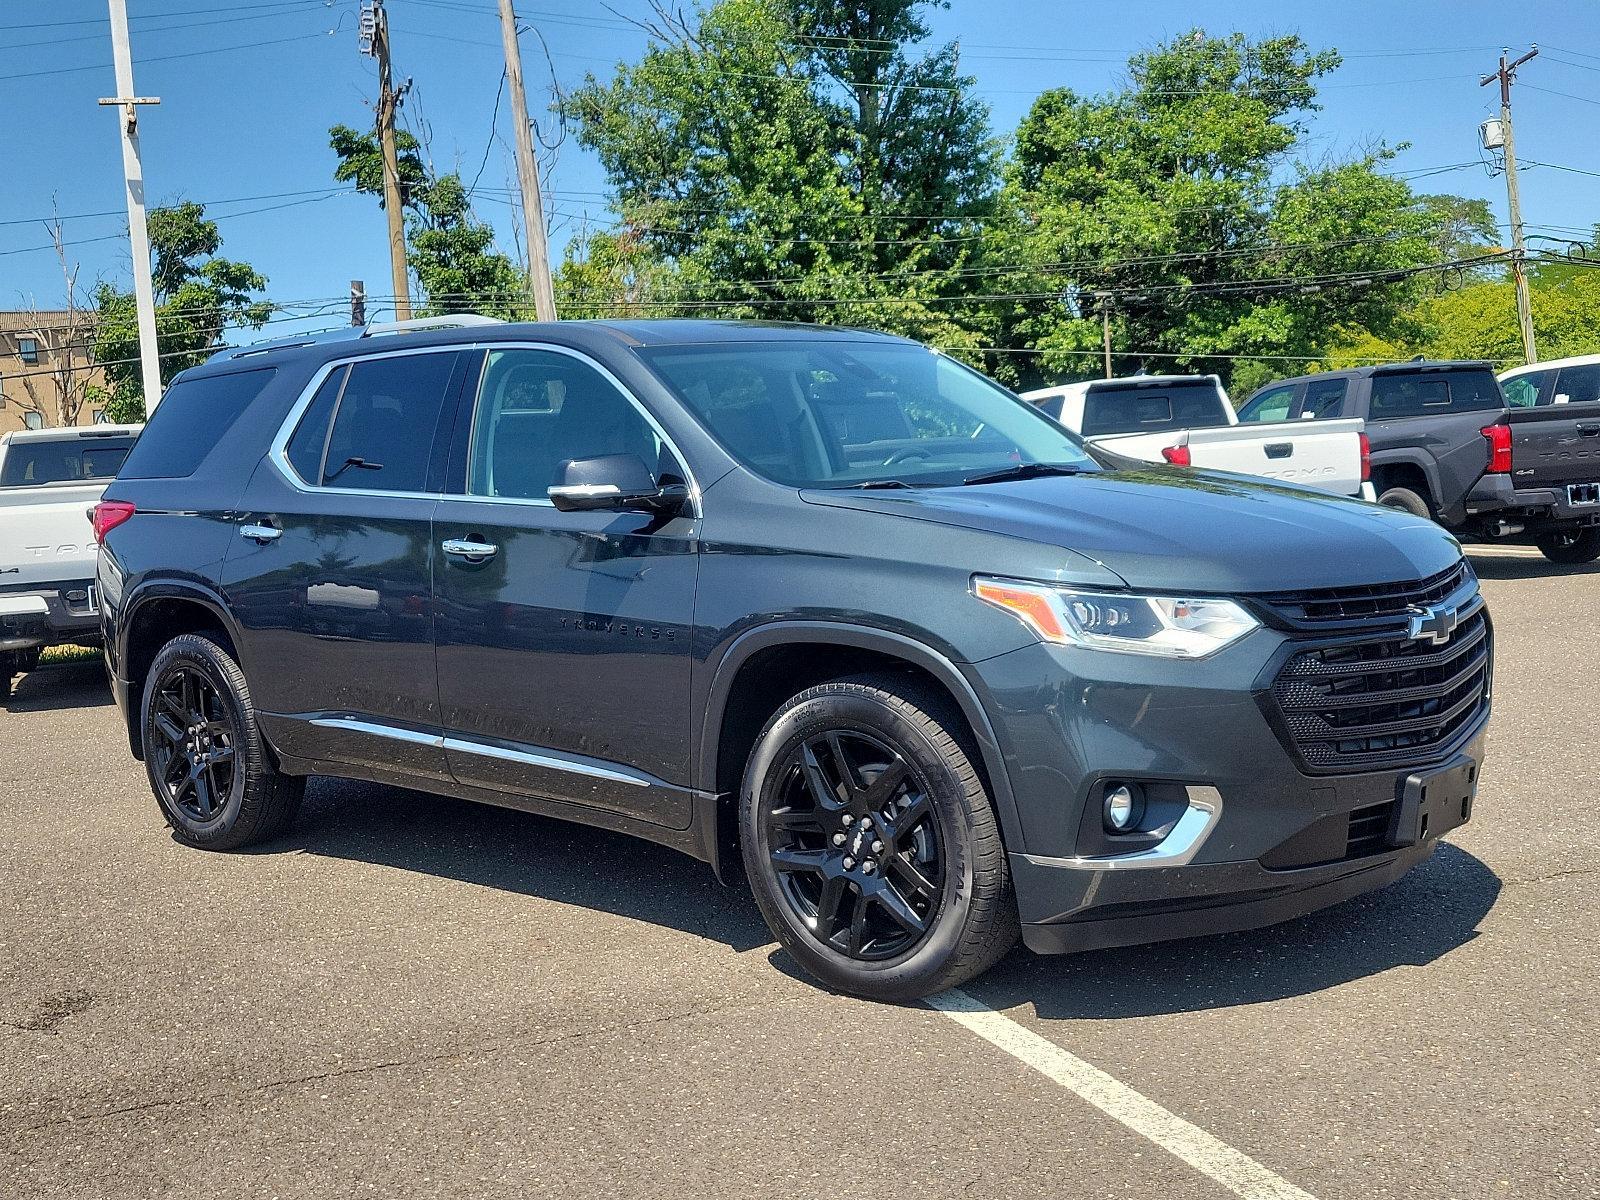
1572 548
873 772
204 754
1407 501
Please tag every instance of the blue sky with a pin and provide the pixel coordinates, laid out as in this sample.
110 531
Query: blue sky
249 88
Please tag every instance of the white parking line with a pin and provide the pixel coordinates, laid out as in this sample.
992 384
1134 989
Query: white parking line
1238 1172
1503 552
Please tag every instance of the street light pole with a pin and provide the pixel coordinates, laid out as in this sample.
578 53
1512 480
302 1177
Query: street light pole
138 229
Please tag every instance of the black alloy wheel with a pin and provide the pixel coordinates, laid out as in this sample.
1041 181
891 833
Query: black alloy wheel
855 845
196 757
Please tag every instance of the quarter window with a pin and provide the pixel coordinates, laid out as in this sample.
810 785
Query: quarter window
538 410
384 423
191 419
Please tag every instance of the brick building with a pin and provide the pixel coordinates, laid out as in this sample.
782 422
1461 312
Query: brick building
47 371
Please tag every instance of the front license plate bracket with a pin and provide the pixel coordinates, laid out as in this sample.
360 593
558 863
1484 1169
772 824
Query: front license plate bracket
1434 802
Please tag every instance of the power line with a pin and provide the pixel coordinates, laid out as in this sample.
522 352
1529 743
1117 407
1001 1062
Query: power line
153 58
184 26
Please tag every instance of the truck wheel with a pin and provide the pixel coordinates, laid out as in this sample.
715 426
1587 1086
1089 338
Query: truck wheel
871 844
1406 499
1574 546
204 753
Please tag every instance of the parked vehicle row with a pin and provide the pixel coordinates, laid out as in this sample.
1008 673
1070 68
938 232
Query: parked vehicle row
1188 420
818 606
49 480
1445 444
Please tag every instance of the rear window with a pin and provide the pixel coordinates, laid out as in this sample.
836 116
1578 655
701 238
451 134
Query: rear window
69 460
1152 408
191 419
1428 393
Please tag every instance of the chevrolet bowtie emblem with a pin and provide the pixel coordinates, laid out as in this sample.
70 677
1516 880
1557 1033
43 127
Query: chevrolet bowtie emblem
1431 624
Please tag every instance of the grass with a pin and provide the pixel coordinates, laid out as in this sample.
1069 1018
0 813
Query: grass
68 654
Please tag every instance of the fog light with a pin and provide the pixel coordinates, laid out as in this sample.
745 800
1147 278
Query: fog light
1122 807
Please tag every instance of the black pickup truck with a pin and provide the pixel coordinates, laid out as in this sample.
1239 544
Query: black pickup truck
1445 444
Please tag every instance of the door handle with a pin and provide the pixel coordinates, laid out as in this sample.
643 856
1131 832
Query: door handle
1279 449
472 552
260 533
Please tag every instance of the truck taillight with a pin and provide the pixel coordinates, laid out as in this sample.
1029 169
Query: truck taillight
1499 448
1178 456
106 516
1366 458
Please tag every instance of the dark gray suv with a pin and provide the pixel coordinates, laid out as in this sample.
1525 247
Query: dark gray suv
819 602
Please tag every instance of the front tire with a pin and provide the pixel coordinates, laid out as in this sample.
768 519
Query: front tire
870 842
1571 548
204 754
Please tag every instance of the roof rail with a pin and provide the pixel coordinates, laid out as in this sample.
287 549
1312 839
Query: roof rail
351 332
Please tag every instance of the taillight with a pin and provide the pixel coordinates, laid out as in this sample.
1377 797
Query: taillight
1499 448
1366 459
1178 456
106 516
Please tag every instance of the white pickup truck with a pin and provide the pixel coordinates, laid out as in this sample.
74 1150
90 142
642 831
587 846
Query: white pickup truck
1189 421
49 479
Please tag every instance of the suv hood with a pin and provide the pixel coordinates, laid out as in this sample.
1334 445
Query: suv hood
1186 530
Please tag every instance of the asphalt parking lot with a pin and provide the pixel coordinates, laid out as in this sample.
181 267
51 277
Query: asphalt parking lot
420 997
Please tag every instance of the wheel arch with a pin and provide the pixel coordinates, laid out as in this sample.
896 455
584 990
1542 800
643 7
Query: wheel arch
155 614
1408 470
742 696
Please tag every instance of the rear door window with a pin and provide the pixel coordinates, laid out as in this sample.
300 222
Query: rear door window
384 423
1270 405
69 460
1152 409
1578 385
1324 399
1523 391
1430 393
191 419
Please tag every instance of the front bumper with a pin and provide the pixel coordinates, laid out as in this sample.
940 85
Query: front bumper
1261 840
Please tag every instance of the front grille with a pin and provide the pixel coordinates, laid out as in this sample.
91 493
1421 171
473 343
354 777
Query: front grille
1369 830
1369 601
1388 701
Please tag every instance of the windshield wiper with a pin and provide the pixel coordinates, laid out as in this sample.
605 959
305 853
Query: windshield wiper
869 484
1023 471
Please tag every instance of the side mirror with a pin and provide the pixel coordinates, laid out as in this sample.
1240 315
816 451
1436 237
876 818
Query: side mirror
614 483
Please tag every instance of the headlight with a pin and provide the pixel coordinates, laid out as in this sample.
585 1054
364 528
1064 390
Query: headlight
1172 626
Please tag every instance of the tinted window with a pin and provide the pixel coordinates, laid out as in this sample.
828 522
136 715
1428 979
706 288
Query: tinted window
383 429
537 410
190 420
1152 408
1432 392
810 412
311 435
1579 384
1324 398
78 460
1523 391
1271 405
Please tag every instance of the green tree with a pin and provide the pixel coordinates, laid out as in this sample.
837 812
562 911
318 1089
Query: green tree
1180 199
199 295
796 161
450 252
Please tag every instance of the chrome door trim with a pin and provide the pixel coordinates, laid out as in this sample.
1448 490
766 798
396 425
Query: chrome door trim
396 733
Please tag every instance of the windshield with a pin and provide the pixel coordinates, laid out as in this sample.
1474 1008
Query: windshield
67 460
848 414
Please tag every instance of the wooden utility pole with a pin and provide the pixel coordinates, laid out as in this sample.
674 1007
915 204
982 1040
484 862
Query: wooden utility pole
1519 271
544 298
374 33
138 230
1105 328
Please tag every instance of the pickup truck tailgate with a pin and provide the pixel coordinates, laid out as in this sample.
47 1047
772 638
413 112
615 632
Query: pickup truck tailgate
45 536
1319 454
1555 445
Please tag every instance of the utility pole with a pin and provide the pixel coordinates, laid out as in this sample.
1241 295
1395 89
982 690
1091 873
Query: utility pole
544 298
374 40
358 302
138 231
1519 272
1105 328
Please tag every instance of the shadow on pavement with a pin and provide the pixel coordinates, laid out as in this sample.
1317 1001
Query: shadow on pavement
1488 567
523 853
58 686
1418 919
